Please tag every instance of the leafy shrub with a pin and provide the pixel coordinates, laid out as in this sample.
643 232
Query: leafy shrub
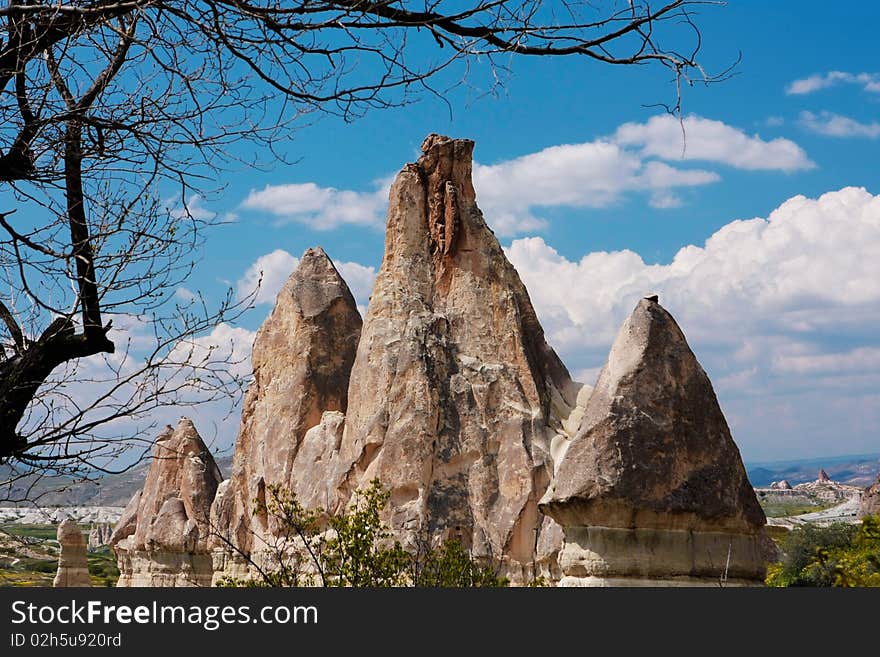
836 555
354 549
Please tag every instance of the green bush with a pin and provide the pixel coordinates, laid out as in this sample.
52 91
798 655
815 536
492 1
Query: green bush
836 555
355 549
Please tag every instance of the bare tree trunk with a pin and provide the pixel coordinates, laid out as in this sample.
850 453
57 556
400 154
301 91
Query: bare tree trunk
23 374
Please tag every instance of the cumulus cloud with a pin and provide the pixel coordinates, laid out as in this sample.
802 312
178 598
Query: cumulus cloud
266 276
592 174
225 343
359 278
867 81
775 309
837 125
696 138
322 208
270 271
193 207
638 159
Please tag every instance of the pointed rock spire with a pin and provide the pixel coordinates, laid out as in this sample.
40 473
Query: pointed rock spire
654 461
455 395
302 359
162 537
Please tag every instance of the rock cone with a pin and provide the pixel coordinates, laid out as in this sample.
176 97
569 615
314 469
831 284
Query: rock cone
73 567
162 537
455 396
652 490
302 359
870 504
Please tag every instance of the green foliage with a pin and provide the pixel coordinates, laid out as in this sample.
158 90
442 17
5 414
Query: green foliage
358 553
450 565
859 563
354 549
786 509
102 567
42 532
837 555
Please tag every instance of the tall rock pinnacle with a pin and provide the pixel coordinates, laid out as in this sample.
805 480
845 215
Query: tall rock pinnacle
162 537
73 566
455 395
652 489
302 358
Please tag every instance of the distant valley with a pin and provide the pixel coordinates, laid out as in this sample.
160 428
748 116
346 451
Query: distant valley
117 489
110 490
856 470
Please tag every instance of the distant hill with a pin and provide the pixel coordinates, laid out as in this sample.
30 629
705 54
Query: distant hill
117 489
856 470
110 490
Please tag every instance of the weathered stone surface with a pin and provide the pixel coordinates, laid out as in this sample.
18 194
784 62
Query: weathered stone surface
302 359
652 489
823 476
455 396
870 504
73 567
99 536
784 485
162 537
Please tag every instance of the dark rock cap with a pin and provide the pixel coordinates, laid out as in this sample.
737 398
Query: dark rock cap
654 449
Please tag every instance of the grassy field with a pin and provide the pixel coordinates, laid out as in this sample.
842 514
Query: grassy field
782 509
29 557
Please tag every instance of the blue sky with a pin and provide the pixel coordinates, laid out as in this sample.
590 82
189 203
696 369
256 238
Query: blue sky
587 189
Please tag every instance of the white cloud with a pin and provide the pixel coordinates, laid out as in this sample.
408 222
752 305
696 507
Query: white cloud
776 309
276 267
226 344
836 125
696 138
663 200
592 174
512 193
193 207
861 359
268 273
322 208
359 279
867 81
185 295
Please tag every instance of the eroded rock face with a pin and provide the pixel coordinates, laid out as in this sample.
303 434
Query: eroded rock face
162 537
302 358
870 504
455 396
652 490
99 536
73 567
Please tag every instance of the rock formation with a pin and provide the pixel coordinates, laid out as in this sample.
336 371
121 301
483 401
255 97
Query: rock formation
99 536
455 400
784 485
870 504
302 359
73 566
823 477
652 490
448 393
162 537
